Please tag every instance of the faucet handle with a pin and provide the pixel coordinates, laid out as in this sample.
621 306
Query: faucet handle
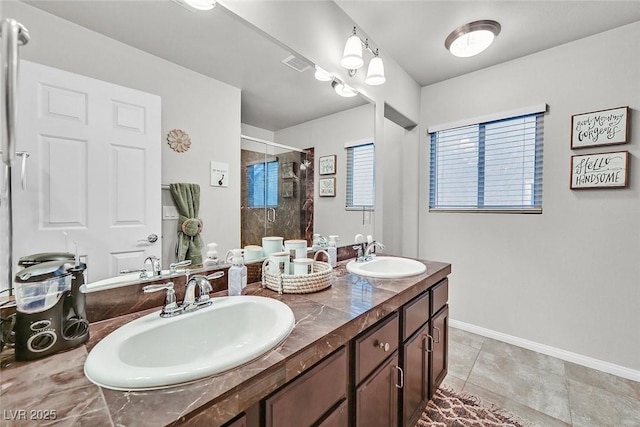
358 248
170 307
143 272
173 267
204 286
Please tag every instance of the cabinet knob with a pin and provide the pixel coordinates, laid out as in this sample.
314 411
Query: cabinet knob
383 345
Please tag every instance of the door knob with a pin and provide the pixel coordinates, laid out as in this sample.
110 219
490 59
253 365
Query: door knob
151 238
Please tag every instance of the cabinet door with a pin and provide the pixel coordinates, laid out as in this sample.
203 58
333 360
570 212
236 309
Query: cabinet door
440 354
338 418
377 397
415 363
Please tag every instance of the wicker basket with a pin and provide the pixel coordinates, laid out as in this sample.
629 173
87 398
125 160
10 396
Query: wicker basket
319 279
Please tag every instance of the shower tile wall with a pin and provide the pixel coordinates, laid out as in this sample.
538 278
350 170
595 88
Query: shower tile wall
291 213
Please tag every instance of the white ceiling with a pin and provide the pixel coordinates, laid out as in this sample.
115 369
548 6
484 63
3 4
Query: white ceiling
215 43
413 32
218 44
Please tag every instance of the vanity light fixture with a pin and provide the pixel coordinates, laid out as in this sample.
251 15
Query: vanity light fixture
352 59
343 89
472 38
201 4
323 75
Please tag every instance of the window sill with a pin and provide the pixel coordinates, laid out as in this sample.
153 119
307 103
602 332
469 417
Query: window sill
488 210
360 209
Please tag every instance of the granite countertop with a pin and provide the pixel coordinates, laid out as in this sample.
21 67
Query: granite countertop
325 320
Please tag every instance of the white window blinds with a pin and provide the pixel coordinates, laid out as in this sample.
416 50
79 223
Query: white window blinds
361 176
491 166
263 185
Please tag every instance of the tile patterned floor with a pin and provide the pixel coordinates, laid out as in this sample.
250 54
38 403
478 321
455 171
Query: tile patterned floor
540 389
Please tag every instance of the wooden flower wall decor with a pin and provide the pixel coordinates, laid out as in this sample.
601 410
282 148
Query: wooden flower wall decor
179 140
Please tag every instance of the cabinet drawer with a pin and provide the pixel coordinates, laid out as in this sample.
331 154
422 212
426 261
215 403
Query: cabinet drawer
414 315
375 346
307 398
439 296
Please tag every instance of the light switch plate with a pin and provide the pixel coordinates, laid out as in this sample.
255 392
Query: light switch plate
170 212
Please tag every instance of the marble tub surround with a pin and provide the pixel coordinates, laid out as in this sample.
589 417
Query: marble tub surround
325 321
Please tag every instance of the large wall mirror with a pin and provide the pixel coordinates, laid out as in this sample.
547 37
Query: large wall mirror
280 102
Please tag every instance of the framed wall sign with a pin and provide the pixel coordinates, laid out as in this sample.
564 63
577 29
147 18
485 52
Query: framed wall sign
327 165
602 170
605 127
327 187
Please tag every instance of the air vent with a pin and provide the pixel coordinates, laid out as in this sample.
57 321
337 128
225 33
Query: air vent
296 63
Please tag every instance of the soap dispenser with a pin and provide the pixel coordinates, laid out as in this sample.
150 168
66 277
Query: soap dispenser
237 274
332 250
212 255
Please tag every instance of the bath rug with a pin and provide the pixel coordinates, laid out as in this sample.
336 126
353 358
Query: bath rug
449 408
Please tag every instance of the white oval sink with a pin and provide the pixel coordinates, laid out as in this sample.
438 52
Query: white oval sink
387 267
154 352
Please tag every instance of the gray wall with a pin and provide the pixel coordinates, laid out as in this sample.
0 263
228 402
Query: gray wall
570 277
205 108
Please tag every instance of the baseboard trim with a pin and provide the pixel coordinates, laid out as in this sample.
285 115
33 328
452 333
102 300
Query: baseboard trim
568 356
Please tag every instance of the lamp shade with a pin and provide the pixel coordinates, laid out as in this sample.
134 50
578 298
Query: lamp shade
201 4
343 89
375 72
322 74
352 56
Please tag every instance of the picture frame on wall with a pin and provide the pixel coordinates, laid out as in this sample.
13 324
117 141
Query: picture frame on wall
327 187
600 170
598 128
327 165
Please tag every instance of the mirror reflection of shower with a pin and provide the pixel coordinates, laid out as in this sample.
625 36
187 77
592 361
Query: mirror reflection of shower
276 191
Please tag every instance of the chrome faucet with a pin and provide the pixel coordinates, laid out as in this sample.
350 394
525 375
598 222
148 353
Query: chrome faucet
364 250
370 247
190 302
155 264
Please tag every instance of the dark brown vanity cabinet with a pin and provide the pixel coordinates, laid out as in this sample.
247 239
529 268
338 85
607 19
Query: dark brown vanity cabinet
384 376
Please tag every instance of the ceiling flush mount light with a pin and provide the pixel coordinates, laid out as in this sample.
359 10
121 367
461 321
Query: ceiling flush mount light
343 89
352 59
472 38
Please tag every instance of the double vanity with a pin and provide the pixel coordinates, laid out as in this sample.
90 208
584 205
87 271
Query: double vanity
369 350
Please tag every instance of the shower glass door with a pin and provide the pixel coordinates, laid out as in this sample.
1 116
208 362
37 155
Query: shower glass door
275 200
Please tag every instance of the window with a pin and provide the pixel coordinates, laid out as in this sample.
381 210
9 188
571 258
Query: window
263 184
491 166
360 176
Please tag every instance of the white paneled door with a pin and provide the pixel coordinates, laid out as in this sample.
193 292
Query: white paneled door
93 170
